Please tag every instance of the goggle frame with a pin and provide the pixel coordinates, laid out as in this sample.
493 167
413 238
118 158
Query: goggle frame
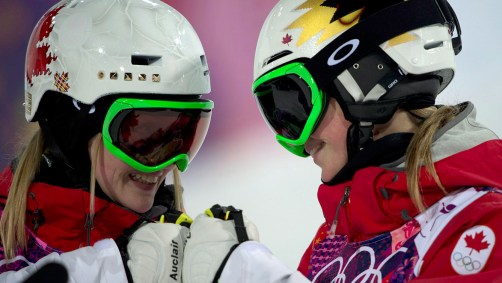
181 160
318 100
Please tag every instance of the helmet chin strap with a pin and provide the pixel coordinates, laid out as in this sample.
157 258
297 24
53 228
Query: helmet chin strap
358 135
384 150
359 90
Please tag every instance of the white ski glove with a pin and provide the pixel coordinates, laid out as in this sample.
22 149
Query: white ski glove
212 238
155 252
99 263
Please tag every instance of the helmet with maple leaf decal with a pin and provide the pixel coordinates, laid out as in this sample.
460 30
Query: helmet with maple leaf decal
90 49
371 56
88 60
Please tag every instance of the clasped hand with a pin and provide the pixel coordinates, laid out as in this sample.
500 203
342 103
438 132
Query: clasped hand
168 252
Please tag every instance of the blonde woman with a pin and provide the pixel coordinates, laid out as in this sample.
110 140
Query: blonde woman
411 190
116 88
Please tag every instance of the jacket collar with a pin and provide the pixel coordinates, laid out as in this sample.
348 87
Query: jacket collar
57 215
65 217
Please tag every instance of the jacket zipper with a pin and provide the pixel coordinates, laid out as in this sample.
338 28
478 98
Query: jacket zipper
343 201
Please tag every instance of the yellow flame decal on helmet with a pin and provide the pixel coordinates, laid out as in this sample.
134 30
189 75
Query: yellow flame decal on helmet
318 19
400 39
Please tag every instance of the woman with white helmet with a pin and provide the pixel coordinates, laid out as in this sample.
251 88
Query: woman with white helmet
116 88
411 190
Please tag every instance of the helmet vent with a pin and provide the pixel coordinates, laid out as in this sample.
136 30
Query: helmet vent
276 57
203 60
432 45
146 60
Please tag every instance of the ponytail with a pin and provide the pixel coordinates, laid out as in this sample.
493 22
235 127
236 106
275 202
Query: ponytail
419 153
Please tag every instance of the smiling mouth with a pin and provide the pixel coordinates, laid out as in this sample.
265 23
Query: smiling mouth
145 179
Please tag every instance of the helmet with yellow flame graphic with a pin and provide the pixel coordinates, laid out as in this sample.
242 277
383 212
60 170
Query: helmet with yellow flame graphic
373 56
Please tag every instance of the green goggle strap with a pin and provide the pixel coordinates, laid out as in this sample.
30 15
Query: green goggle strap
297 146
181 160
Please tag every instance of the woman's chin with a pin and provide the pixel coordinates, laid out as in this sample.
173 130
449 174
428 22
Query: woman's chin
139 204
141 208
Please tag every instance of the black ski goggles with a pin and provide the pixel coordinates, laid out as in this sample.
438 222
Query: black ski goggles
150 135
291 104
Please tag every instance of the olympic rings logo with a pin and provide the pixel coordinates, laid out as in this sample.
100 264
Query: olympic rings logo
466 262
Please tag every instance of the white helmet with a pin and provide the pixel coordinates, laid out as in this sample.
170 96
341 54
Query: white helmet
87 49
299 29
372 56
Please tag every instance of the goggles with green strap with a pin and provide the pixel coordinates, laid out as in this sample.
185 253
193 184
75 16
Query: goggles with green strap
292 97
291 103
150 135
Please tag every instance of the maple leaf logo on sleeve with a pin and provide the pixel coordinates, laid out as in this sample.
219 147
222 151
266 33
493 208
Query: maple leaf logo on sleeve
477 242
479 238
287 39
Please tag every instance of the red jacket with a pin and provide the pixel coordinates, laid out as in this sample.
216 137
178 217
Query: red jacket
56 219
379 205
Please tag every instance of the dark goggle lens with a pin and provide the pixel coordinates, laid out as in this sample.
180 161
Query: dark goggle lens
153 136
286 103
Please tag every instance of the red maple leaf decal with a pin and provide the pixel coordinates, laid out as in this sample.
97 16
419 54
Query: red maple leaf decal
287 39
37 58
476 242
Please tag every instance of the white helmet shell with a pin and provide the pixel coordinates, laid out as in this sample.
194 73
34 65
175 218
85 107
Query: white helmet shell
88 49
297 29
423 50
